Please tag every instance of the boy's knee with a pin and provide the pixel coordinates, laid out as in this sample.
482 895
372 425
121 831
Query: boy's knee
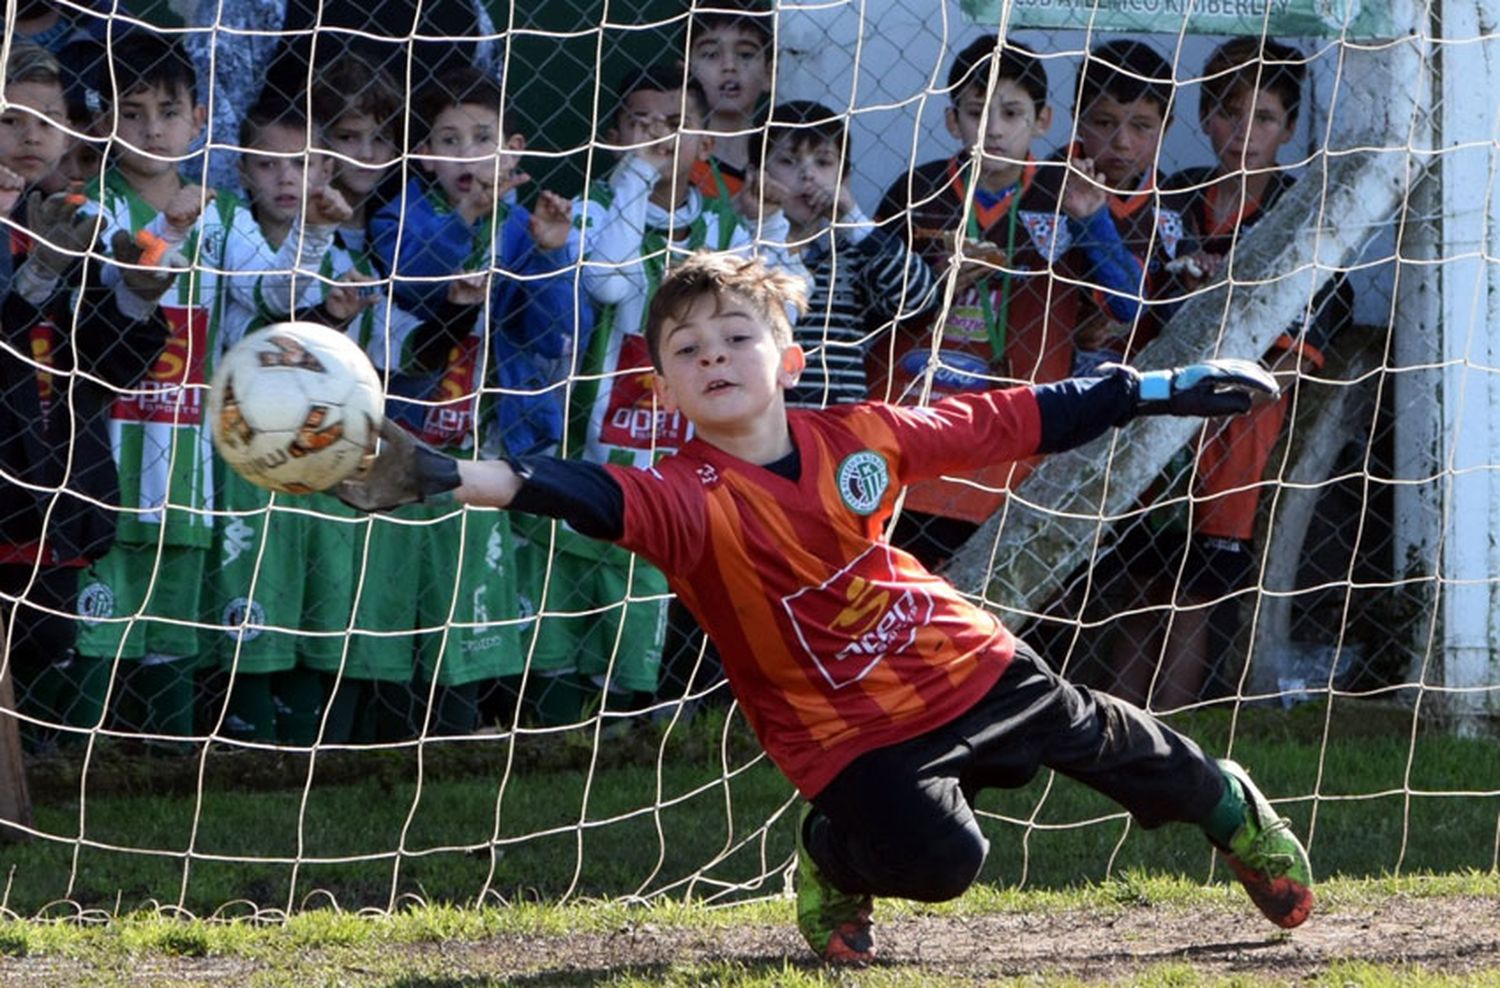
944 867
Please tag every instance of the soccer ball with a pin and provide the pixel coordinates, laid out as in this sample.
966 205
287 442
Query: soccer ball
295 407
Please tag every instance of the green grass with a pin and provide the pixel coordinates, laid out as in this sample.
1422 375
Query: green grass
422 945
374 833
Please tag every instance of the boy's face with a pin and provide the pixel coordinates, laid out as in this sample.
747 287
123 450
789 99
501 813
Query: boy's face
1121 138
360 137
32 140
722 367
276 172
466 150
730 64
810 171
1248 129
156 128
1009 128
665 128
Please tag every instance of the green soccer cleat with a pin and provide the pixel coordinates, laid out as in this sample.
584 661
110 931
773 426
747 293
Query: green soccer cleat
836 925
1267 857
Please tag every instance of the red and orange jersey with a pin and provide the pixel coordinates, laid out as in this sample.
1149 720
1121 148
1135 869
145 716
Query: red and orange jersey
834 641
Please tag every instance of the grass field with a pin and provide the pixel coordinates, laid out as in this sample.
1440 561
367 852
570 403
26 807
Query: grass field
550 873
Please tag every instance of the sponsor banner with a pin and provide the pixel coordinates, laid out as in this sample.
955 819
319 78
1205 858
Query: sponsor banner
1349 19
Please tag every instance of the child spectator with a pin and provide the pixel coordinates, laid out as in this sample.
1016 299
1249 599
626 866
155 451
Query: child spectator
1019 225
1251 95
275 569
887 697
457 240
864 280
142 601
605 624
1122 104
730 49
54 439
247 50
354 111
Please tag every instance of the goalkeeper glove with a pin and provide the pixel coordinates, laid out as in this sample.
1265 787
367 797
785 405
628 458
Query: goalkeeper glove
406 470
1222 386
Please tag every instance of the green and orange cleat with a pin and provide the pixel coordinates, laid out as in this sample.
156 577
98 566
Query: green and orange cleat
1267 857
835 924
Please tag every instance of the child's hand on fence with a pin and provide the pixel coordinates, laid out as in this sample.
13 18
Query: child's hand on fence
327 207
1084 192
63 231
183 209
468 289
352 295
551 220
11 187
148 264
761 196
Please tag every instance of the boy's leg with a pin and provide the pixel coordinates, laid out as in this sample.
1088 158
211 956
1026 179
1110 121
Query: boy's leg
1035 718
895 822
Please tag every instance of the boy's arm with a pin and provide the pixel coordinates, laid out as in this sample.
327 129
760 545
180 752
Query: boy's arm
970 431
1111 268
548 302
612 228
896 281
422 249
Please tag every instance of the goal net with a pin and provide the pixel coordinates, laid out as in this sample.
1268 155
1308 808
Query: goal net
255 703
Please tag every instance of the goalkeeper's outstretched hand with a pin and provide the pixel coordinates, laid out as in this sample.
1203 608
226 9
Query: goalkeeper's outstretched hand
1222 386
406 470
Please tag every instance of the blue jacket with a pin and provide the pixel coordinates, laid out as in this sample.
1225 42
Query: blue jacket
535 314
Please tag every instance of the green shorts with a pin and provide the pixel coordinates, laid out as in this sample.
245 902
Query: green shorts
140 600
436 595
587 624
334 537
255 584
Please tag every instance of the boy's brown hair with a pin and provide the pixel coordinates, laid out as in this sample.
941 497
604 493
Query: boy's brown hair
353 84
1253 64
461 85
719 274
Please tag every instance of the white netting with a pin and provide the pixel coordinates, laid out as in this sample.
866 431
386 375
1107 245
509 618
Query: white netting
276 701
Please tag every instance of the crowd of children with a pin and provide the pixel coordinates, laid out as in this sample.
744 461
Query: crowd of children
510 329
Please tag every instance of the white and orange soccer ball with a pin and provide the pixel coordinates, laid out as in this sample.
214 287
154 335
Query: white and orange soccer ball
295 407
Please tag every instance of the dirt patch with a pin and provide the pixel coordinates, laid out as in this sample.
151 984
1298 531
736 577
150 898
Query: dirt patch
1455 936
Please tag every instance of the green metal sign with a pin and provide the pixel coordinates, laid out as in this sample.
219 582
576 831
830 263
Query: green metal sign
1348 19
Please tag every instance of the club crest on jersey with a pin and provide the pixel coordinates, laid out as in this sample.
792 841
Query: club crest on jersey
1169 228
863 478
1050 237
95 603
243 619
708 475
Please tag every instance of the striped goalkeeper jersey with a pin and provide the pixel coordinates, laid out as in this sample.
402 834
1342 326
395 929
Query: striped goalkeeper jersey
834 641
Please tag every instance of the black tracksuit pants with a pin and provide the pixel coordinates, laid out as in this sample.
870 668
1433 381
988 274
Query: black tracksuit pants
897 821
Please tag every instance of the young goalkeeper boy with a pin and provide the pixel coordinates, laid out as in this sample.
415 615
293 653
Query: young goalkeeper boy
880 691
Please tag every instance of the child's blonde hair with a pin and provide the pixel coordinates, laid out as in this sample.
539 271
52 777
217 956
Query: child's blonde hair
718 274
31 62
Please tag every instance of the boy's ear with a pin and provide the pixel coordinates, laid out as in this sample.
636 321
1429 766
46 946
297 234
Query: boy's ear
200 116
421 152
705 147
663 392
793 363
515 142
950 120
1043 121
